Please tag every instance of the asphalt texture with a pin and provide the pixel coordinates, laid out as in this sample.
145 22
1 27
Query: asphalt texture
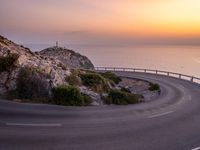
169 122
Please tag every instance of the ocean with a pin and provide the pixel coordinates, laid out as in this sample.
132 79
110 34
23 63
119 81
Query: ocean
180 59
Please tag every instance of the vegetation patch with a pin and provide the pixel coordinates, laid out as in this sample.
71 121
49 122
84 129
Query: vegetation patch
154 87
63 66
118 97
95 81
124 89
73 78
111 76
69 96
31 84
7 62
3 42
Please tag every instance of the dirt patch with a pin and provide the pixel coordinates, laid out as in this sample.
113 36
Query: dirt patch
138 86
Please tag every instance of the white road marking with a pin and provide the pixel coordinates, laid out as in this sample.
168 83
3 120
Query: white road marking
35 124
162 114
198 148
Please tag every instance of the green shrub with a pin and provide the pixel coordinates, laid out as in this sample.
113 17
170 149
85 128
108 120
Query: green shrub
123 89
7 62
32 84
154 87
122 98
95 81
69 96
73 78
87 99
111 76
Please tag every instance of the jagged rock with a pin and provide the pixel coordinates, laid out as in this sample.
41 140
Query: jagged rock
68 57
95 96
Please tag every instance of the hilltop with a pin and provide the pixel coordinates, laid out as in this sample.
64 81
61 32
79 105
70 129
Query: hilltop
68 57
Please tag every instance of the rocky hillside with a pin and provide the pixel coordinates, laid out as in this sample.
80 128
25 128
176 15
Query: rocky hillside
33 76
55 69
68 57
52 76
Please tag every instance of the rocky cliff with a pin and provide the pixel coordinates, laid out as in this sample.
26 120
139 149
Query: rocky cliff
56 70
71 58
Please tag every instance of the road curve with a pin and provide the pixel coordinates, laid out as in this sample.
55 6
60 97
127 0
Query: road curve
169 122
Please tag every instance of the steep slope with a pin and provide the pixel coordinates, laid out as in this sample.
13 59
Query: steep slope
68 57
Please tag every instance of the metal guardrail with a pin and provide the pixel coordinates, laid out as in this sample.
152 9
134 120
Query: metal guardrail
151 71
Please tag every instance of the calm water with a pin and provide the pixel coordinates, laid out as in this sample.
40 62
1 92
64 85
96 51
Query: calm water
181 59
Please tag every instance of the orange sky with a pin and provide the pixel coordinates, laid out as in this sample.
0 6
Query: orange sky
99 18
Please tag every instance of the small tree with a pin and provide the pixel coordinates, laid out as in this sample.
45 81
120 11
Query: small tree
7 62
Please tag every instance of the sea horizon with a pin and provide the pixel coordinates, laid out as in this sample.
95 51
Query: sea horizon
183 59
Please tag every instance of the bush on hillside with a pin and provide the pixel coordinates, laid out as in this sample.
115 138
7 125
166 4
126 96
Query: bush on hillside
32 84
7 62
95 81
118 97
73 78
123 89
2 40
69 96
154 87
111 76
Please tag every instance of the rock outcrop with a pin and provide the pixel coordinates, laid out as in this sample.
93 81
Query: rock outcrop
56 70
69 57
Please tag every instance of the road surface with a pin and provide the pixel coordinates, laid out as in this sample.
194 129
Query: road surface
169 122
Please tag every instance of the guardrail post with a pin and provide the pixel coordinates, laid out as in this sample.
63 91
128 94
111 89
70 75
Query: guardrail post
179 76
133 69
123 69
156 71
192 79
167 73
114 69
145 70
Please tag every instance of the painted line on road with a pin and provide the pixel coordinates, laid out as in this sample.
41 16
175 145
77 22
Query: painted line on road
159 115
198 148
35 124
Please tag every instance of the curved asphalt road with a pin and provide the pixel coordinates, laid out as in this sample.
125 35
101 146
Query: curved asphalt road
170 122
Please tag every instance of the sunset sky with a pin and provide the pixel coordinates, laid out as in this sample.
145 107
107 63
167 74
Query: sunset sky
101 21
